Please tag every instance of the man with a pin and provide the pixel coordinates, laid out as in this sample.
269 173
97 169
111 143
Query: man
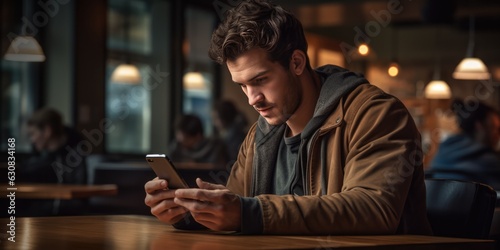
53 161
470 153
191 145
53 144
330 153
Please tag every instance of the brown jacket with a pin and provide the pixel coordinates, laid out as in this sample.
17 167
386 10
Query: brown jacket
364 172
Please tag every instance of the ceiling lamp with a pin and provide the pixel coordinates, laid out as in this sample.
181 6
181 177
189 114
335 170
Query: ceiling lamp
25 49
363 49
126 73
437 89
393 69
471 68
193 80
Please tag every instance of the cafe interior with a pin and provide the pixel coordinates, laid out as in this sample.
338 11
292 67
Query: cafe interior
121 72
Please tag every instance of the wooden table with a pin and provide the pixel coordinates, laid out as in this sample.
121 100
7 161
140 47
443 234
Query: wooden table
145 232
57 191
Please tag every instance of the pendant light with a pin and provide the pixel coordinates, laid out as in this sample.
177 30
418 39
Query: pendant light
126 73
437 88
471 68
24 48
393 69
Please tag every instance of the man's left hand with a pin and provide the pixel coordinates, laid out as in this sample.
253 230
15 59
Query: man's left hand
211 205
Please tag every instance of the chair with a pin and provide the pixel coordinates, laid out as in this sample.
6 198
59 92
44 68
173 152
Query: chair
461 209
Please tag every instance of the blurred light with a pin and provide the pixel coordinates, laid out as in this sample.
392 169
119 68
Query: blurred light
363 49
471 68
193 80
127 74
393 69
25 49
437 89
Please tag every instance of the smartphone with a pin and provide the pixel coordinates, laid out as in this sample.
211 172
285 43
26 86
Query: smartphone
164 169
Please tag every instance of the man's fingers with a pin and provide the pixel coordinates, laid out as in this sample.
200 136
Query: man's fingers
154 185
159 196
196 206
208 185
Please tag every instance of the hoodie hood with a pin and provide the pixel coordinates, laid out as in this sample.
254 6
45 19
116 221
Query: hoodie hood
336 82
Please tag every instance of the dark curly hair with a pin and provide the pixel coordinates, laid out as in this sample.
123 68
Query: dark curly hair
189 124
258 24
47 117
469 112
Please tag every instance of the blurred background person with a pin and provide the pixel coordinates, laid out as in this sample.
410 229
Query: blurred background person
55 157
191 145
230 125
469 154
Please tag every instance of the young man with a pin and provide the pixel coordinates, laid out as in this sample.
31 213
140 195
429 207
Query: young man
330 153
470 153
191 145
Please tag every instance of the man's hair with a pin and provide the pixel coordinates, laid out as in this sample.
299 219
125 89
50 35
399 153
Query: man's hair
190 125
258 24
47 117
469 112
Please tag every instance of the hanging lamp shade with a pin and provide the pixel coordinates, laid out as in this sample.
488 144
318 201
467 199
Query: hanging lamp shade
471 68
126 74
437 89
193 80
25 49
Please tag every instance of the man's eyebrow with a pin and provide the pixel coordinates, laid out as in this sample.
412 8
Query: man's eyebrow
256 76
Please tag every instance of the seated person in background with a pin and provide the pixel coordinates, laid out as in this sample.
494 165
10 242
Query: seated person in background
329 154
469 154
191 145
55 158
230 125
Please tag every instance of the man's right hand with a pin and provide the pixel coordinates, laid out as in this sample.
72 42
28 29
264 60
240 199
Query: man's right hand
161 201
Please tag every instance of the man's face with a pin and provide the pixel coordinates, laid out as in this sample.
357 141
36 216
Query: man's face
273 91
186 141
38 137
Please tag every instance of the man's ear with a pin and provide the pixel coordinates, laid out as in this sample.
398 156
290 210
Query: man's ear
298 62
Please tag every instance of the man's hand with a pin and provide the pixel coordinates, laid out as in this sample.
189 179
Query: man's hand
161 201
211 205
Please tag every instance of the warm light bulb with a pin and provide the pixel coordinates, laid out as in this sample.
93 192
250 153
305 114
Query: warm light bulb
471 68
25 49
393 70
126 73
363 49
437 89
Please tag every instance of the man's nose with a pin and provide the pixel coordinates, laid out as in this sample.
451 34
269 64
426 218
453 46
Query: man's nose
254 96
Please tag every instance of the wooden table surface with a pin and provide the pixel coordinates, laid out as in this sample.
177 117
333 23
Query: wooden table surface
57 191
145 232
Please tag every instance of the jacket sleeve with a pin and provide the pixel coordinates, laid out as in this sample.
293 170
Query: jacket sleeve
379 143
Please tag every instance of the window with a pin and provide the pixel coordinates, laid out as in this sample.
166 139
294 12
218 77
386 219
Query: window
199 75
138 35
